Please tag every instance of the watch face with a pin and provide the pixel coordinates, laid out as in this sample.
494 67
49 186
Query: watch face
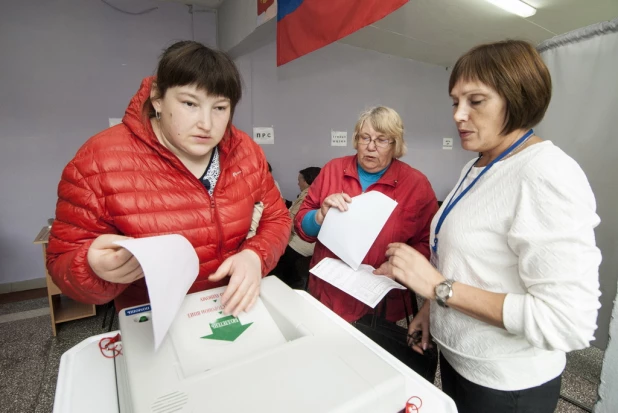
442 290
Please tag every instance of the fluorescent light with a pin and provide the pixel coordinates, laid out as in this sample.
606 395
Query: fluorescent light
515 6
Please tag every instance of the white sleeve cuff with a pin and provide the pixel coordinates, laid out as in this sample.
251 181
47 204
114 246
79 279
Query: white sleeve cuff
513 313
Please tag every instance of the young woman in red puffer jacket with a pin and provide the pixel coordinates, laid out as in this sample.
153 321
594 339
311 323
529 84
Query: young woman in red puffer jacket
175 165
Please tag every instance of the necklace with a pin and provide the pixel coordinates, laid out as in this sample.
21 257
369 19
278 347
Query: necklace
515 150
518 148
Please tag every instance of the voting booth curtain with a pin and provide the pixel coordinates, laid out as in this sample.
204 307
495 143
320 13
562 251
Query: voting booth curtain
582 121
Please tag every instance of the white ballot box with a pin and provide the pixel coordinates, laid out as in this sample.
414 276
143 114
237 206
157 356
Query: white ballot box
288 354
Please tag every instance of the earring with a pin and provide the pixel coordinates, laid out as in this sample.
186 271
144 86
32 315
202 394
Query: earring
158 115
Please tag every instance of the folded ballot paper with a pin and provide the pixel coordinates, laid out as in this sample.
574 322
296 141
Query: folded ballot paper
361 284
350 234
195 322
170 266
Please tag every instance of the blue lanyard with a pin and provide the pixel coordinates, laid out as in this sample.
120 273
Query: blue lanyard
453 201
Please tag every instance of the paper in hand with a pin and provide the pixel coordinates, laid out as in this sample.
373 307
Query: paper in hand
350 234
361 284
170 267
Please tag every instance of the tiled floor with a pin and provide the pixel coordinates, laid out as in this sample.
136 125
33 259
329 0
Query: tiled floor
30 357
581 379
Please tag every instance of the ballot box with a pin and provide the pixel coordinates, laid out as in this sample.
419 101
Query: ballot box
287 354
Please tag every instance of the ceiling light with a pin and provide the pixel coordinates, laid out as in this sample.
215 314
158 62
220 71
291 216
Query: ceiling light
515 6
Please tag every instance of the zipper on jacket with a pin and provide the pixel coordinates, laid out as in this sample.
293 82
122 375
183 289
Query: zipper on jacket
215 215
213 206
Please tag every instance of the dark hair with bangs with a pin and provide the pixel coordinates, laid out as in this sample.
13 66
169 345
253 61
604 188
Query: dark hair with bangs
309 174
515 70
191 63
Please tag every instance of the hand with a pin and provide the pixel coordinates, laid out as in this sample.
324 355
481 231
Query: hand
111 262
245 271
338 200
411 268
419 337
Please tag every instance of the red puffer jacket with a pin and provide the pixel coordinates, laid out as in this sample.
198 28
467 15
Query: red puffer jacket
123 181
409 223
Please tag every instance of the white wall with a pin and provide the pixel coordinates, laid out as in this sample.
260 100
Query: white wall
67 66
328 89
237 20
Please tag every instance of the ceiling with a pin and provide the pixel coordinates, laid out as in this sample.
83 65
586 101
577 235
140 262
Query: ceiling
209 4
439 31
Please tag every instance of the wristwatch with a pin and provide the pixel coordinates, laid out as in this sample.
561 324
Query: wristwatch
444 291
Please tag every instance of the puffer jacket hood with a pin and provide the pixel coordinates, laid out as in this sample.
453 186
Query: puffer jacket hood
123 181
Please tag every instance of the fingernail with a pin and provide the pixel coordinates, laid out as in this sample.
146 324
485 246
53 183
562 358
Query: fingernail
424 346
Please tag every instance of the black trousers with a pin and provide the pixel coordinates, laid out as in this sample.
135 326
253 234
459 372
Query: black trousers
393 339
293 269
473 398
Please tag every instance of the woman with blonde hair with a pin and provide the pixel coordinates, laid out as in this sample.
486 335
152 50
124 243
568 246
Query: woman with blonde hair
378 139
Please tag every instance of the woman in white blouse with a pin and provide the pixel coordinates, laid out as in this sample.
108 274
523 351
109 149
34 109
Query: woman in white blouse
514 281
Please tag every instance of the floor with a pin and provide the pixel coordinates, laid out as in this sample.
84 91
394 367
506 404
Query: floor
30 356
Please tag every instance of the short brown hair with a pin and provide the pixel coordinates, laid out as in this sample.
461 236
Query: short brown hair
191 63
515 70
386 121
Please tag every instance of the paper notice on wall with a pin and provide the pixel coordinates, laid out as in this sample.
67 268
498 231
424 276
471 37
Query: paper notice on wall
114 121
264 136
338 138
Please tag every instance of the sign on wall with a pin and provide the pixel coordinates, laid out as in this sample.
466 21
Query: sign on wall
338 138
264 136
447 143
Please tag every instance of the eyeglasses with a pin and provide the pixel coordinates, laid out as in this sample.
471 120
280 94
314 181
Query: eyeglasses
379 142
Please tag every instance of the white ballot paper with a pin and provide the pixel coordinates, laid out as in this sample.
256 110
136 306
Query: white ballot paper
350 234
361 284
170 267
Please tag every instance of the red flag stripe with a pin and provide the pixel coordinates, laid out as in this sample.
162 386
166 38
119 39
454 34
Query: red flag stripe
317 23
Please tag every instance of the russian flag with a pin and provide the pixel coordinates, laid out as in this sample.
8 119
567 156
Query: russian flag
306 25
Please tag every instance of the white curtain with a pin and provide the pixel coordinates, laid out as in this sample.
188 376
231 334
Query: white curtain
582 119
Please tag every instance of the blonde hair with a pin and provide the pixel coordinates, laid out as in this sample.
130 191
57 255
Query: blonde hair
385 121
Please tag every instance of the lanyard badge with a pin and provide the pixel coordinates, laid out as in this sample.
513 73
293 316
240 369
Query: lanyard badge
434 254
454 200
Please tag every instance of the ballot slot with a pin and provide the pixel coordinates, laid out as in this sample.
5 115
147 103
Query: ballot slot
283 337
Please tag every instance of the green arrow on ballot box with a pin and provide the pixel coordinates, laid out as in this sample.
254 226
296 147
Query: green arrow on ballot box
227 328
